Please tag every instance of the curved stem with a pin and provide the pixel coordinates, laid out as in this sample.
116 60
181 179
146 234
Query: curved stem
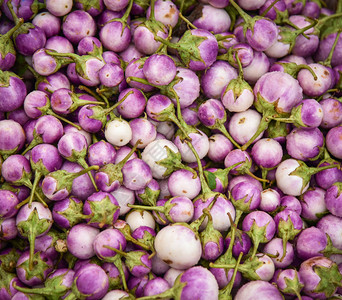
225 132
10 32
37 177
310 70
96 96
126 158
243 15
83 163
52 113
256 177
262 126
108 110
187 21
269 8
128 11
327 61
204 184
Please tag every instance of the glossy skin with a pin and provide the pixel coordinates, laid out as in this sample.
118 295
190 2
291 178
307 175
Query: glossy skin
258 289
13 95
334 141
12 137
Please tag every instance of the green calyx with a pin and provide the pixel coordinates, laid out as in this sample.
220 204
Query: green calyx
53 289
149 196
210 234
172 162
73 213
32 227
330 249
40 266
257 235
305 172
330 279
6 41
113 172
102 212
9 261
89 4
5 78
293 286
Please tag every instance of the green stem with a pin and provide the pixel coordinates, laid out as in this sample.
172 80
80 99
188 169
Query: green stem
327 62
187 21
315 170
224 131
152 4
37 177
10 32
52 113
269 8
243 15
96 96
309 69
31 237
39 291
256 177
262 126
84 164
121 163
204 184
14 16
110 109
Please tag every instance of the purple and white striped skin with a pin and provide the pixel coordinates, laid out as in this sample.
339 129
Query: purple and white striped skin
305 144
80 240
48 130
225 41
207 49
138 284
73 147
159 69
82 186
8 229
245 196
111 75
317 272
12 137
325 47
114 276
292 203
219 147
149 194
60 8
267 153
242 243
101 153
272 13
68 212
57 185
135 69
258 67
102 208
145 39
94 274
19 116
216 77
313 204
313 242
331 225
332 199
16 169
311 113
143 130
165 12
312 87
289 281
258 289
136 174
188 88
219 212
112 238
334 141
182 183
243 125
260 227
89 45
156 286
195 283
94 9
12 91
261 33
187 242
270 200
59 44
77 25
213 19
42 262
332 113
50 24
122 153
45 64
54 82
8 203
134 105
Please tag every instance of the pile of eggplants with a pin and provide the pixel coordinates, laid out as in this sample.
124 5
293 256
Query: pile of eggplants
170 149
